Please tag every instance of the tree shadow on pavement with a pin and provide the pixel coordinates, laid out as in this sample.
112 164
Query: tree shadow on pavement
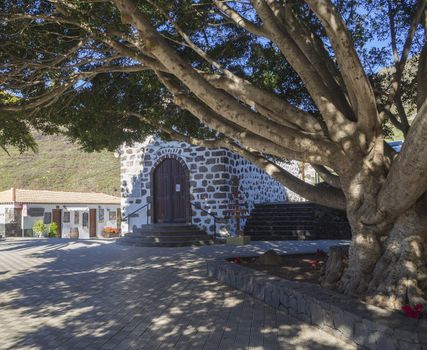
97 295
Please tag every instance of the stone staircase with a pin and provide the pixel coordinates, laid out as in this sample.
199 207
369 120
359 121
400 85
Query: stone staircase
292 221
166 235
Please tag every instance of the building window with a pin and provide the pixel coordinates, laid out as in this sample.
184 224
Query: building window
47 218
10 215
85 219
66 217
112 215
37 212
101 215
76 218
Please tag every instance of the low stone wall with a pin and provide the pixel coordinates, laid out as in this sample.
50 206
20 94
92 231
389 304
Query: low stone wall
367 326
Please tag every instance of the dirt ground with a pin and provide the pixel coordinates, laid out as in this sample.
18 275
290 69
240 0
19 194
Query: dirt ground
298 267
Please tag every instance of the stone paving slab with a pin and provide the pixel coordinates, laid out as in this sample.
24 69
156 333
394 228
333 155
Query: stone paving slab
93 294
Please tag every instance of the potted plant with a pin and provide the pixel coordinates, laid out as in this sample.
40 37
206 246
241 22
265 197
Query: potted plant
110 232
238 240
74 233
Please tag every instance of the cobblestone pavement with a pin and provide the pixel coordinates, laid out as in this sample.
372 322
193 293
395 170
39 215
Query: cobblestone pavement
60 294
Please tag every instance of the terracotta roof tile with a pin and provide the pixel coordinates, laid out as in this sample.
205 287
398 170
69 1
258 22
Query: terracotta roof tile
56 197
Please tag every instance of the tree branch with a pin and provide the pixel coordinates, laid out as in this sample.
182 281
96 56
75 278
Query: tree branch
422 69
407 179
266 103
400 65
328 197
359 88
245 137
313 48
238 19
219 101
333 109
333 198
326 175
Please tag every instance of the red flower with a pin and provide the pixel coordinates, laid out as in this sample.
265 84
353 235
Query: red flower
314 263
419 307
413 311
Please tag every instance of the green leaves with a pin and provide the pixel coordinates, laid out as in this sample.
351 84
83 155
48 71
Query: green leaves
40 53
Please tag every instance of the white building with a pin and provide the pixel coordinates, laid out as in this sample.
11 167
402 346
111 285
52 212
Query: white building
87 213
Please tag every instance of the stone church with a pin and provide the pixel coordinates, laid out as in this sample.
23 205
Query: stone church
174 182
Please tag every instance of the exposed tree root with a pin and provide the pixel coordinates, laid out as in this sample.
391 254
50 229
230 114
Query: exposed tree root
364 252
400 276
395 277
335 266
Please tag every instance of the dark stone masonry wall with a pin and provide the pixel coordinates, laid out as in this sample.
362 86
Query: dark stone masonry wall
211 171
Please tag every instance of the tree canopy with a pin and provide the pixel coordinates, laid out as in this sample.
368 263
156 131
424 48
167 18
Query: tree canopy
312 80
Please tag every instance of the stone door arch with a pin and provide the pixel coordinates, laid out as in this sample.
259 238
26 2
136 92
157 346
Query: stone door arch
171 195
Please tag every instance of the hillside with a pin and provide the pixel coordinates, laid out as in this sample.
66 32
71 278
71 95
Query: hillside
60 165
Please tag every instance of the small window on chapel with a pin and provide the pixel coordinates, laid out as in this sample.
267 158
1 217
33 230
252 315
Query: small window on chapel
76 218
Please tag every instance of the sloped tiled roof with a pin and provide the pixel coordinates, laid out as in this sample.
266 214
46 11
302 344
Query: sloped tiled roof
56 197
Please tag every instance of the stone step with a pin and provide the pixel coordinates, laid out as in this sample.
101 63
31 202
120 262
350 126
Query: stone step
274 238
286 203
284 211
277 232
141 243
259 230
166 233
167 238
295 206
278 222
290 220
308 225
168 228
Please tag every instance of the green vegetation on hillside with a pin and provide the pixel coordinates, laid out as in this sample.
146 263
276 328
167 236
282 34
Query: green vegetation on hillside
60 165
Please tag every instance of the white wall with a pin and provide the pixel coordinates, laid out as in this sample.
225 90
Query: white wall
66 227
3 220
2 213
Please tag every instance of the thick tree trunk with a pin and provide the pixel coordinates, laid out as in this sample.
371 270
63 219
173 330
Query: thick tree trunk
388 270
400 275
387 259
364 252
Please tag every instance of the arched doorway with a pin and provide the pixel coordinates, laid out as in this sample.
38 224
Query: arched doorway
171 198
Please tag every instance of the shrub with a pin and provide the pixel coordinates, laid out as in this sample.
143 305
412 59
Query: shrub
53 230
39 228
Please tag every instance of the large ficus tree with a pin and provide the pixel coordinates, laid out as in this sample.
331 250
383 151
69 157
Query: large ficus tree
268 79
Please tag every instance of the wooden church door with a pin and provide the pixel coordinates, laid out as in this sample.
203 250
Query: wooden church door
171 194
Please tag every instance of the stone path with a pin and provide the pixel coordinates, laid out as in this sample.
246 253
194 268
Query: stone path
61 294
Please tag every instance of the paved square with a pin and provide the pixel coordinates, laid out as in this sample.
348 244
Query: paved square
61 294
